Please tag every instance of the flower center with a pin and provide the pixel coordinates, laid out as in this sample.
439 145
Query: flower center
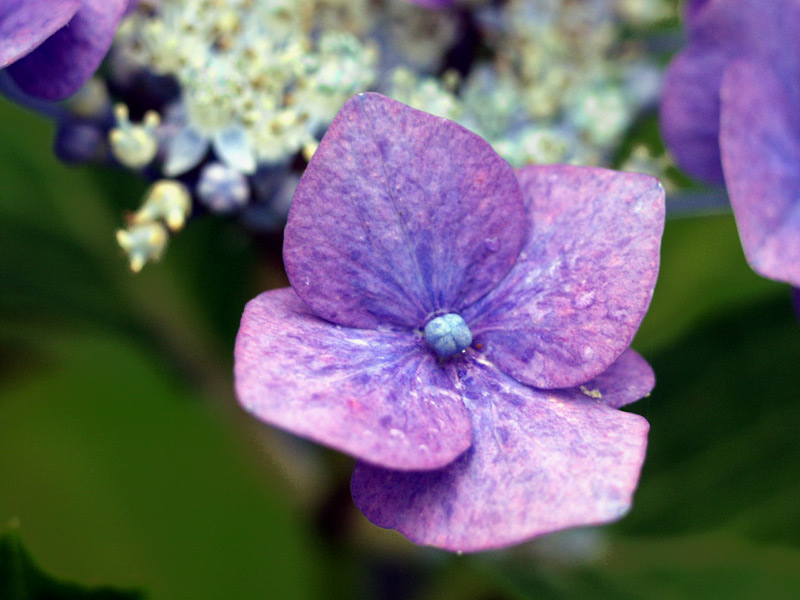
448 334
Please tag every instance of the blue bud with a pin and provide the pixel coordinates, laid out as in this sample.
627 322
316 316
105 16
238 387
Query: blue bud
448 334
79 142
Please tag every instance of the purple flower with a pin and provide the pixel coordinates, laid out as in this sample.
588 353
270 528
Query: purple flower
460 328
730 112
51 47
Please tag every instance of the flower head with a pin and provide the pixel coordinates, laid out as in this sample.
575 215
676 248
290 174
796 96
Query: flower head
729 112
460 328
51 47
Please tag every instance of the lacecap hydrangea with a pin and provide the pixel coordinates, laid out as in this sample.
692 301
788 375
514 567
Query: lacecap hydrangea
461 328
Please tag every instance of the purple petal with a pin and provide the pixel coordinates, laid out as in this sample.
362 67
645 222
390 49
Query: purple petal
689 114
719 32
24 24
583 281
399 215
541 461
760 140
692 8
627 380
61 65
378 395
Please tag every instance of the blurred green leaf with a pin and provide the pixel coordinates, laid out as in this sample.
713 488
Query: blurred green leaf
703 272
706 567
21 578
723 448
119 476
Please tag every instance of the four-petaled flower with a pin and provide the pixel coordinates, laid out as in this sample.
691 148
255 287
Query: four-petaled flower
51 47
730 113
460 328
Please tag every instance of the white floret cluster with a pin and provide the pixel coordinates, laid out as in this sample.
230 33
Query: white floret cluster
560 86
547 81
259 80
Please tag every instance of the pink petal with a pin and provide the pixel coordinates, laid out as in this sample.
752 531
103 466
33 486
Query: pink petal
760 139
378 395
541 461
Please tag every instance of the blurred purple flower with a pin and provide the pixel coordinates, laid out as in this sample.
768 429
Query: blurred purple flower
730 113
51 47
461 329
433 4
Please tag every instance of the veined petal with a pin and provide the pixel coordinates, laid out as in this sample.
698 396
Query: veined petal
760 140
541 461
400 214
377 395
63 62
582 283
24 24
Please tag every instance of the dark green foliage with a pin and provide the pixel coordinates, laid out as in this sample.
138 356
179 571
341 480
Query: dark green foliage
22 579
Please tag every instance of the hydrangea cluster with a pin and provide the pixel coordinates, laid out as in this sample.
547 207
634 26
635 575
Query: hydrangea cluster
229 98
460 328
561 87
258 80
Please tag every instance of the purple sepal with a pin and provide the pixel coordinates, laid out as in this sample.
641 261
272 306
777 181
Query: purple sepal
541 461
433 4
583 281
692 8
760 141
720 31
689 114
627 380
60 65
377 395
24 24
400 215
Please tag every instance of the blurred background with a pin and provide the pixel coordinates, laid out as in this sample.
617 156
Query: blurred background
127 461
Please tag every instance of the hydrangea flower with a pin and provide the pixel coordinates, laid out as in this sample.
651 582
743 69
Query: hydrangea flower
460 328
729 112
51 47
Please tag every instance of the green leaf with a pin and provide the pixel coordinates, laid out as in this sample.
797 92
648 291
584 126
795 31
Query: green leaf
707 567
120 472
723 448
21 578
